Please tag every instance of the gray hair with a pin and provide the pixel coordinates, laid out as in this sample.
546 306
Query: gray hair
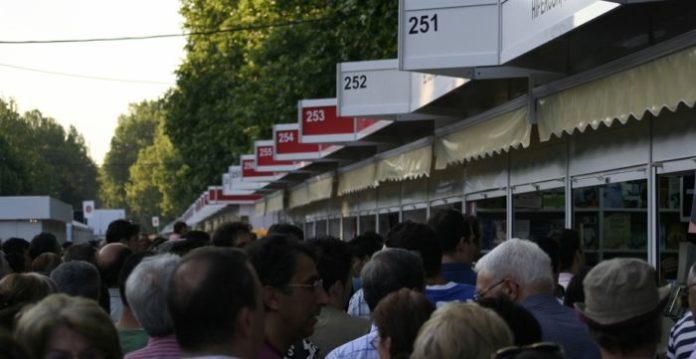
519 259
146 291
77 278
390 270
692 274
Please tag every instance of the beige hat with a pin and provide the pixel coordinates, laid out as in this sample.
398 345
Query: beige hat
619 291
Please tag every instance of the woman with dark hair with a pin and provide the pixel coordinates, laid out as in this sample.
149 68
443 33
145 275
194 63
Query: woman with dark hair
398 318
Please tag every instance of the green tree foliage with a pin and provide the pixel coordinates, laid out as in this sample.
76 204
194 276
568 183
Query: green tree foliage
233 85
40 158
134 132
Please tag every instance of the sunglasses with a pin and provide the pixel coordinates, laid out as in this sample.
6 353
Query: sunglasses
537 350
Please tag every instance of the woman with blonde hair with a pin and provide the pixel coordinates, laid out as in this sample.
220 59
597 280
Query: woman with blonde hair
462 331
61 326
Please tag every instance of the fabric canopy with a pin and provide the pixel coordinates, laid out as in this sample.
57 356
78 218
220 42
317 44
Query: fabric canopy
357 179
274 202
509 130
260 208
320 189
408 165
651 87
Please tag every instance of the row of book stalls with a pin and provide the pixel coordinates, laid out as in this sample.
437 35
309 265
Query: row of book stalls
530 117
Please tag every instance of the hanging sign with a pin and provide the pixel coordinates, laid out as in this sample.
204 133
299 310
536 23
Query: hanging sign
528 24
289 147
250 174
265 158
372 88
217 195
319 123
446 35
235 186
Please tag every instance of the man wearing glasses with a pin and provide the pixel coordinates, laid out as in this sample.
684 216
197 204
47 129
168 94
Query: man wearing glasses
293 292
521 271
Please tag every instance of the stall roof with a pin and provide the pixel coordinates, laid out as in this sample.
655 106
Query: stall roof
35 207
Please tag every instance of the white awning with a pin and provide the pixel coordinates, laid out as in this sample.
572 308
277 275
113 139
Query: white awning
407 165
357 179
274 202
487 137
260 208
650 87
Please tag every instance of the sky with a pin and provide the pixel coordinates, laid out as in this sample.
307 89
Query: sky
92 106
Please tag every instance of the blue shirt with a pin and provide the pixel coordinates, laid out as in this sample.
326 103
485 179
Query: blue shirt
459 273
560 324
360 348
450 292
357 306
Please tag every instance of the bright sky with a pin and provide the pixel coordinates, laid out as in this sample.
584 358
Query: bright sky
92 106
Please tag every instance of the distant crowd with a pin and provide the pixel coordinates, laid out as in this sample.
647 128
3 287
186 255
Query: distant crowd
423 291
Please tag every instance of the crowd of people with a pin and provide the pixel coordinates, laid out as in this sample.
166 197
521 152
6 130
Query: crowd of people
423 291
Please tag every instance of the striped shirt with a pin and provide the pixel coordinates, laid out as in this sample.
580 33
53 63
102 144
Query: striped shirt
157 347
358 306
682 338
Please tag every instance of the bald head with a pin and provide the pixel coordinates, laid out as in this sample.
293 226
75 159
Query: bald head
110 259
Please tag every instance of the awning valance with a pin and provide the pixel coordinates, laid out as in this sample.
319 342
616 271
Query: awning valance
500 133
298 196
650 87
320 189
274 202
357 179
408 165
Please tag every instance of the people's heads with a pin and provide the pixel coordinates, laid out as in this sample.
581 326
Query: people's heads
398 318
390 270
20 289
457 233
123 231
215 303
293 291
334 267
77 278
128 265
691 284
45 263
362 248
180 228
622 307
110 259
191 241
286 229
570 250
81 252
235 234
551 248
64 326
146 292
15 245
574 292
10 347
525 328
515 269
462 330
42 243
420 238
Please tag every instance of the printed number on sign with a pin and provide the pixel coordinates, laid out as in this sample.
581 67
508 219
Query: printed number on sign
422 24
355 82
285 137
265 152
315 115
248 166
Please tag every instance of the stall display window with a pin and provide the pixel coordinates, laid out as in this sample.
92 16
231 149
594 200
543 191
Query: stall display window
335 227
416 215
368 223
309 229
675 197
387 221
538 213
491 213
612 220
350 228
320 229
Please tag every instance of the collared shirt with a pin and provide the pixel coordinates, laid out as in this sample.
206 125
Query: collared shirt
115 304
564 278
459 273
560 324
440 295
358 306
158 347
360 348
682 338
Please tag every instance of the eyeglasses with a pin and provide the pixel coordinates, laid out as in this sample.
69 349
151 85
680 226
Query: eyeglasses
316 285
552 350
479 294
